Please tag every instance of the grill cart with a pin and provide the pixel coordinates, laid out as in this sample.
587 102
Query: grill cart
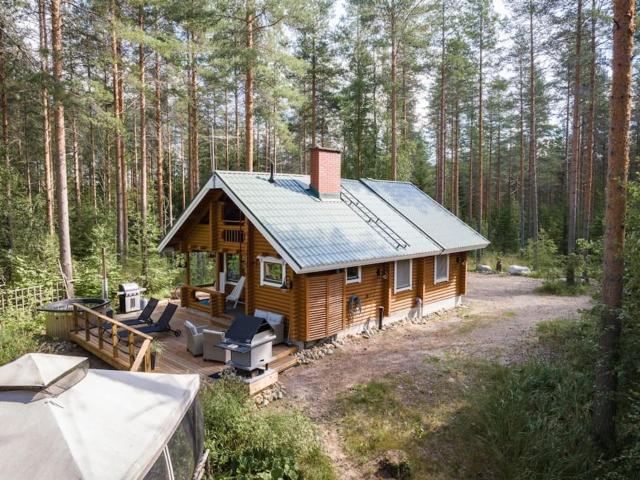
130 297
250 341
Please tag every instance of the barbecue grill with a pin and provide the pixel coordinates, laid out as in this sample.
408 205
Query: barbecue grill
250 341
130 297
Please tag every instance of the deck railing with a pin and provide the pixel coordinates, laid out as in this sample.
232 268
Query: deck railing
214 304
138 344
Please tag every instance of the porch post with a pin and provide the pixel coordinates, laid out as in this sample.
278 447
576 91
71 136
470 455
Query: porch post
187 268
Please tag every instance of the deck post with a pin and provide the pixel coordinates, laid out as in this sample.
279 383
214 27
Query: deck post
114 340
131 344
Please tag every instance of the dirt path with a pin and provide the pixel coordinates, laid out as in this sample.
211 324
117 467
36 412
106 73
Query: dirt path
497 322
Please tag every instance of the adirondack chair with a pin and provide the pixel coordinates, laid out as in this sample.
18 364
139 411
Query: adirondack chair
235 294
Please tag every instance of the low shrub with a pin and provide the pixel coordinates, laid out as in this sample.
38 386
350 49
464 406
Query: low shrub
561 288
259 444
19 334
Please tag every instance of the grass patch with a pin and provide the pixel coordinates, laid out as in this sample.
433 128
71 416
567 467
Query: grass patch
463 418
471 322
248 443
561 288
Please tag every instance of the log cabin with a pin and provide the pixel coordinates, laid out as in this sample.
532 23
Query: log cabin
332 255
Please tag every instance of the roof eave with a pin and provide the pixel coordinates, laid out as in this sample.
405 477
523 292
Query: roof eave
186 213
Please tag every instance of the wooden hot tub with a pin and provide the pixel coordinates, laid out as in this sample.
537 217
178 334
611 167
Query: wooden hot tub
59 315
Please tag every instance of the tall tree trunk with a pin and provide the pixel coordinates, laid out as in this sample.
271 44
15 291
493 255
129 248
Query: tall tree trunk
605 405
237 123
77 168
498 172
183 175
455 174
588 187
314 100
575 154
94 181
521 189
394 98
248 91
143 151
194 164
440 182
159 147
470 172
121 215
533 145
4 105
46 120
480 128
170 171
226 129
63 201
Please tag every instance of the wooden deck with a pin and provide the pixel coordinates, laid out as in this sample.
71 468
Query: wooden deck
174 357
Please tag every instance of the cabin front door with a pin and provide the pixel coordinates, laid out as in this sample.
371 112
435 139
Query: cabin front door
325 305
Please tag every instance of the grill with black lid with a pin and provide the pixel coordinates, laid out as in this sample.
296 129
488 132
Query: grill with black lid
250 341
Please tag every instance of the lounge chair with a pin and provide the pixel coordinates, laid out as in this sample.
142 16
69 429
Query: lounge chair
235 294
144 317
162 325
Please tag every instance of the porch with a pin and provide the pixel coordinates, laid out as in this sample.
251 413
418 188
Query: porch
173 357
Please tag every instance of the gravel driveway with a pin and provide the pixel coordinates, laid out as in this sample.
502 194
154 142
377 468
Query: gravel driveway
496 322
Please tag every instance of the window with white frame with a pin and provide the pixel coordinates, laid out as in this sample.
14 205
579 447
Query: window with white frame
402 276
272 271
232 268
441 270
353 274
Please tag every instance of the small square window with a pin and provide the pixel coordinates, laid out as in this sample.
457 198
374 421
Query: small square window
441 270
402 277
272 271
353 274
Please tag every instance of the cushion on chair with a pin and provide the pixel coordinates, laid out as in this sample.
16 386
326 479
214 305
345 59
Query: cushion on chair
191 327
261 313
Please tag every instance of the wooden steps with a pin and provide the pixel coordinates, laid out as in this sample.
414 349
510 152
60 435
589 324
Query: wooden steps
283 358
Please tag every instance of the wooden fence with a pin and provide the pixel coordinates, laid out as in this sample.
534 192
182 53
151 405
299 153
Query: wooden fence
26 298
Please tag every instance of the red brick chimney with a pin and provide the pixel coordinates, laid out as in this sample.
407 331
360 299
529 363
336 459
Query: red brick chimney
325 172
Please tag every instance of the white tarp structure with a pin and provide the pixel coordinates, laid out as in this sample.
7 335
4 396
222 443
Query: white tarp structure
59 419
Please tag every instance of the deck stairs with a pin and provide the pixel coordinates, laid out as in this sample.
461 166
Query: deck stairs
283 358
384 230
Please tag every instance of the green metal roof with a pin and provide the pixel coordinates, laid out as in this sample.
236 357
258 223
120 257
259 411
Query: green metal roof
371 222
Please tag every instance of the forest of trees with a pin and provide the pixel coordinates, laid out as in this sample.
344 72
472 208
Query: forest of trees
500 114
521 117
